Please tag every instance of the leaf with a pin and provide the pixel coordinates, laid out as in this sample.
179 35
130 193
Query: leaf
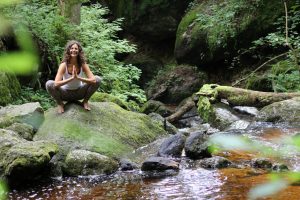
231 142
267 189
19 63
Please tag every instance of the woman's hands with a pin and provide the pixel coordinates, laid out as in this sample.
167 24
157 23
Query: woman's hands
74 73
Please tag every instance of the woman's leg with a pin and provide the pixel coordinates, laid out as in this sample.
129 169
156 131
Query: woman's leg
56 94
88 90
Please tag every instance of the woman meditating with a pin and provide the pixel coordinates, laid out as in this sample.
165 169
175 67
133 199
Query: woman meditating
69 83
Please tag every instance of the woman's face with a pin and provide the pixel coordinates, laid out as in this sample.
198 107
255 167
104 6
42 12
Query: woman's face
74 50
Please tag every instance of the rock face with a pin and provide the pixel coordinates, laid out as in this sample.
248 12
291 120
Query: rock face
107 129
206 34
150 20
282 111
82 162
9 88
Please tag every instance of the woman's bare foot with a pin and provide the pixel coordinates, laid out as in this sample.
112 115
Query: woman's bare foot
86 105
61 108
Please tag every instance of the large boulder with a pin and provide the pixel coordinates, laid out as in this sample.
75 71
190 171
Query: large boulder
213 31
107 129
9 88
282 111
154 20
176 84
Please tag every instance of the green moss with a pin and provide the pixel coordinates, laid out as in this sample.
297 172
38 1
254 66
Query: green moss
209 90
205 109
107 129
9 88
104 97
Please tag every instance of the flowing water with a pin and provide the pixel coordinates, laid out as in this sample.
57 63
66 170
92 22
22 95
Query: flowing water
190 182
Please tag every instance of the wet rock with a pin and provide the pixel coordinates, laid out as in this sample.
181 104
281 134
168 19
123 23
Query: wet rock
126 165
171 129
279 167
82 162
159 164
215 162
24 130
261 163
224 116
252 111
239 124
172 146
196 146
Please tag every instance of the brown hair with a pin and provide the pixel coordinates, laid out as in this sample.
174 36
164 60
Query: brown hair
67 55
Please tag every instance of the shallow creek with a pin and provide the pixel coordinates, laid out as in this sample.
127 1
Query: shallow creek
190 182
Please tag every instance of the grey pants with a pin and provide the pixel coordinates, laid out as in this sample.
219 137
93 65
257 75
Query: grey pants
84 92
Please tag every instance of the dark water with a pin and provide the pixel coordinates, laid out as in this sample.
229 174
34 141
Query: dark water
190 182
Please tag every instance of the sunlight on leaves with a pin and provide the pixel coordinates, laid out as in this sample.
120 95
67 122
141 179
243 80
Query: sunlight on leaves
267 189
3 190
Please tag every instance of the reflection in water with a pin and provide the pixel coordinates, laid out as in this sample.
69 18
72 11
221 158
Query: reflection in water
191 182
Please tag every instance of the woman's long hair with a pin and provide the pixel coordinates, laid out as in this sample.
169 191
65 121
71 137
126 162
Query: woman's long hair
67 55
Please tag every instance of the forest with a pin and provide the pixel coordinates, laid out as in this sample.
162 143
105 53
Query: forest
198 99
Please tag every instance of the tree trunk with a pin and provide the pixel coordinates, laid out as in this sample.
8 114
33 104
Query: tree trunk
189 104
71 10
243 97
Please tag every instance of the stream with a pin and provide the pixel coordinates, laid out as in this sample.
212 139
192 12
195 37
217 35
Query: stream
190 182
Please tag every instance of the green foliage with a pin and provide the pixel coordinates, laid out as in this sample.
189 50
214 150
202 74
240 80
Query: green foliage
285 73
227 15
99 36
285 77
45 23
41 96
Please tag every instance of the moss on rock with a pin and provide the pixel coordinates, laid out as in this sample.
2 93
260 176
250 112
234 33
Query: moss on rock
9 88
105 97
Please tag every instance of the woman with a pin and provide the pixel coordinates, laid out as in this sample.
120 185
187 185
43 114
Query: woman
69 83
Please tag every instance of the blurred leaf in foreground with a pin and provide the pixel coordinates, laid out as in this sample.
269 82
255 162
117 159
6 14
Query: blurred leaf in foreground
3 190
267 189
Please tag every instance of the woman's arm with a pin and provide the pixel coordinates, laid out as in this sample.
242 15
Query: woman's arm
59 76
89 74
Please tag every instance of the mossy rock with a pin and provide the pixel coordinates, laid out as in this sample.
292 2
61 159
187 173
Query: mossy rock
9 88
107 129
105 97
82 162
213 31
206 110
